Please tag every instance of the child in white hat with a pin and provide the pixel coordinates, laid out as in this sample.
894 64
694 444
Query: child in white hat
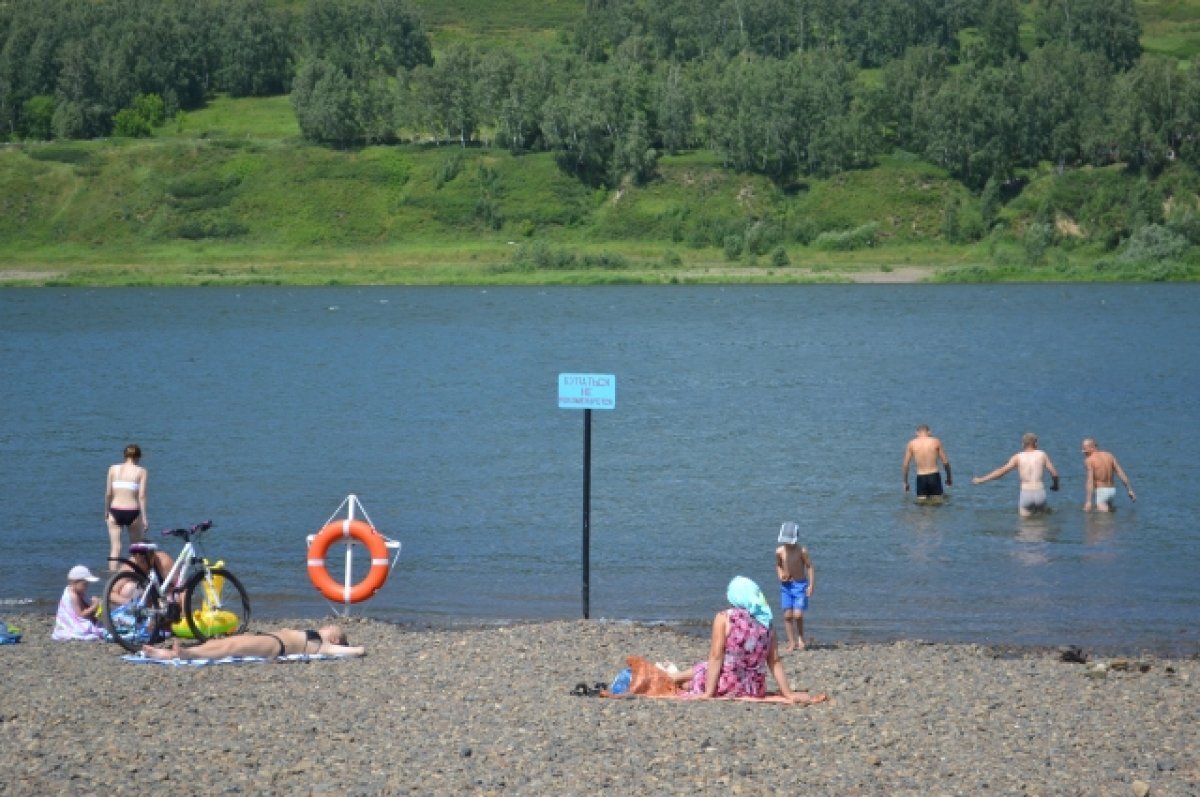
76 618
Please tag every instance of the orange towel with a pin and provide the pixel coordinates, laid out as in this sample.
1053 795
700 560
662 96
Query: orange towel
649 680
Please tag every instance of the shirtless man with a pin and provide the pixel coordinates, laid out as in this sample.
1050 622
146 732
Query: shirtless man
1029 463
329 641
1101 465
925 450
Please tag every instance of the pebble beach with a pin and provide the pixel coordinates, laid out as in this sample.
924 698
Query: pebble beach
434 711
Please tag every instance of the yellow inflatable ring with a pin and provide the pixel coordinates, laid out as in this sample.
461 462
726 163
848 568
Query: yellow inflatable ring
210 623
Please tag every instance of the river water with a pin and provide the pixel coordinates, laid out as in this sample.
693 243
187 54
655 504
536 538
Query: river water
737 408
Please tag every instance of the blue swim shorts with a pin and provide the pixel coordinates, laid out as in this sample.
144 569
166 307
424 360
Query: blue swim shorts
794 594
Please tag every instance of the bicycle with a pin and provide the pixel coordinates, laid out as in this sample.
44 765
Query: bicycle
140 607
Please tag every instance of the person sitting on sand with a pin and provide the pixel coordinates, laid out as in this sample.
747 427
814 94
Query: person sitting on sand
741 650
76 617
145 555
328 641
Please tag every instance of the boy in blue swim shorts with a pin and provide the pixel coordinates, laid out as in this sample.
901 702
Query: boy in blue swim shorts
794 567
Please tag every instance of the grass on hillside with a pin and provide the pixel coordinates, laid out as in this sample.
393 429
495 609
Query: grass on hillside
180 210
236 117
1170 27
502 22
230 194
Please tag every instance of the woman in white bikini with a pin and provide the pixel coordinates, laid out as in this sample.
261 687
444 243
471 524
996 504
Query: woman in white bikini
125 501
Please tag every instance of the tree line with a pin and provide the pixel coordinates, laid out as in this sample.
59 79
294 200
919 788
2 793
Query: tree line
775 87
67 69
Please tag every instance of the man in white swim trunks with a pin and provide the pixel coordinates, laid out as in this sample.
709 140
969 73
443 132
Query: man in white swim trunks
1030 463
1101 465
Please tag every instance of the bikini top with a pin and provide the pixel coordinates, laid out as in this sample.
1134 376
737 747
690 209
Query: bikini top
124 485
312 636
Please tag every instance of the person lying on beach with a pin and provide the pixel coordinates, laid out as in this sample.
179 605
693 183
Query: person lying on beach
330 640
741 650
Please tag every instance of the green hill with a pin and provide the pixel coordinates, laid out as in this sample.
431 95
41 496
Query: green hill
230 194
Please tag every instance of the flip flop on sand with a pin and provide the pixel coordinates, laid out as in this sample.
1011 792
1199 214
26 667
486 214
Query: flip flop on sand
583 690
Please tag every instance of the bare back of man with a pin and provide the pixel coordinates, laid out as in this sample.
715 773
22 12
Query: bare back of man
924 452
1031 466
1030 463
1101 468
1100 464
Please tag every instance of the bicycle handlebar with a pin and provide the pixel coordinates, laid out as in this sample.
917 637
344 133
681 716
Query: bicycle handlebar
185 533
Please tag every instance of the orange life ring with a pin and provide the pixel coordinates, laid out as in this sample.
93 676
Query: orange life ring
364 533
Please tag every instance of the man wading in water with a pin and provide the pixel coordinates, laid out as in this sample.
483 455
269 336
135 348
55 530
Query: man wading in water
925 450
1030 463
1101 465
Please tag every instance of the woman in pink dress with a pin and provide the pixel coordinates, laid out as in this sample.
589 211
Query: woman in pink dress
741 651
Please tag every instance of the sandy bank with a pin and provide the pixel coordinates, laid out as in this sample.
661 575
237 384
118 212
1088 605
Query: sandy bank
434 711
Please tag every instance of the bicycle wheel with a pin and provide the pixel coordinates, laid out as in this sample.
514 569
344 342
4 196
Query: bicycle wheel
132 611
215 604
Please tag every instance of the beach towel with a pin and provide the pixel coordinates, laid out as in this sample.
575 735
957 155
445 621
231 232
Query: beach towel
647 679
137 658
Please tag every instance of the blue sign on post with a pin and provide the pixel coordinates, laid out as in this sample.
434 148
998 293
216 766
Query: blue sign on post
587 391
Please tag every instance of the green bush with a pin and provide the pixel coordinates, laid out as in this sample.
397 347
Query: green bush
862 237
60 153
487 210
140 119
192 186
1038 238
803 230
1153 244
705 229
195 230
447 170
195 192
605 260
1186 224
540 255
779 258
39 115
760 236
129 124
732 246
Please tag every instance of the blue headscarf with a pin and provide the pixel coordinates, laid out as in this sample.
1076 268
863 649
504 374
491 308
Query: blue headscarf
745 594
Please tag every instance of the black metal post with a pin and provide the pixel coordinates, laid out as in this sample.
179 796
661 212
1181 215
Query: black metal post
587 501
